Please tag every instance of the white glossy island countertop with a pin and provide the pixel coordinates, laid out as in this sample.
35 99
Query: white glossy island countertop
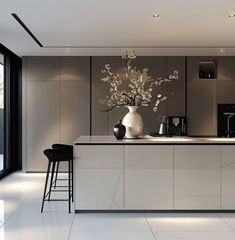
148 140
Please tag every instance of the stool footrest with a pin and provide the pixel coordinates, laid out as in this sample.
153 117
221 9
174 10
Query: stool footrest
55 200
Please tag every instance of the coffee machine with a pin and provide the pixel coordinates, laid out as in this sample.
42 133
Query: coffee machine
177 126
171 126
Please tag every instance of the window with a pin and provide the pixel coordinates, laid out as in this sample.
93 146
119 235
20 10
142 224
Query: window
1 113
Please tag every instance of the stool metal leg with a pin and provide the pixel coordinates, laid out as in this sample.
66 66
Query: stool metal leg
69 190
72 179
45 187
56 173
52 177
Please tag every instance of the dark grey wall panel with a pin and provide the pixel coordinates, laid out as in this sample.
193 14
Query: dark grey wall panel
226 83
226 68
102 123
74 98
201 101
74 110
176 90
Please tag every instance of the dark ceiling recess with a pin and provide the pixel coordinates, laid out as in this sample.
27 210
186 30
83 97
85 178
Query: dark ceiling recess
26 29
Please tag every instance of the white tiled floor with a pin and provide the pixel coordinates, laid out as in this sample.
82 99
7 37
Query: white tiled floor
20 218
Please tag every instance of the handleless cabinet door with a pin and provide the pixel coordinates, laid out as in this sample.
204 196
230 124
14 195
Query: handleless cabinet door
42 121
228 177
197 177
148 177
99 177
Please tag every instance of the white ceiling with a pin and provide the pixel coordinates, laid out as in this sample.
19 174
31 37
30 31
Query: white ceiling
185 27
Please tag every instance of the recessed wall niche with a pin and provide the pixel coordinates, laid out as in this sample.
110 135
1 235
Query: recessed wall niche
207 69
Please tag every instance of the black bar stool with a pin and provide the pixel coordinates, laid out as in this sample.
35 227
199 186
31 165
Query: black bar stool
55 156
69 150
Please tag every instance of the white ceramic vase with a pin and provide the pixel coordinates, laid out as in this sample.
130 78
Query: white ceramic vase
133 123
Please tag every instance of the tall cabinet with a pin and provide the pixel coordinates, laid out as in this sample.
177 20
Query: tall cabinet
56 104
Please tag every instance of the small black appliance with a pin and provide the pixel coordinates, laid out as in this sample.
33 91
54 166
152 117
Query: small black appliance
177 126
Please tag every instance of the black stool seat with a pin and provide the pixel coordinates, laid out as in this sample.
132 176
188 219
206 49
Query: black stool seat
55 156
64 147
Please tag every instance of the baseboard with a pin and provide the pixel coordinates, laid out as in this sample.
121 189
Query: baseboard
155 211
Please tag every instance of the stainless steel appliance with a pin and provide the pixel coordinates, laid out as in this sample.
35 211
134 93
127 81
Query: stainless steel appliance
163 125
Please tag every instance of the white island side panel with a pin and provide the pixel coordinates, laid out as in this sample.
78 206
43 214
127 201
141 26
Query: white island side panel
197 178
149 177
228 177
99 177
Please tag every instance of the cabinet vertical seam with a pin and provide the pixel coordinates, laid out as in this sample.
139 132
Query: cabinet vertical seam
123 155
26 115
220 177
60 100
173 177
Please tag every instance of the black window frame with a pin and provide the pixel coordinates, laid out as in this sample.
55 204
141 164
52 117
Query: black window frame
12 112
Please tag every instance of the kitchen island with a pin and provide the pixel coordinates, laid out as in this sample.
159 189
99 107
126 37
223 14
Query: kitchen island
154 173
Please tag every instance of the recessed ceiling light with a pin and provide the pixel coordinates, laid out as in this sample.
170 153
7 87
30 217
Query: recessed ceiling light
231 15
156 15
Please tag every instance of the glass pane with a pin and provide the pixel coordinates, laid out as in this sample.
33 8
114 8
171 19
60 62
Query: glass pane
1 112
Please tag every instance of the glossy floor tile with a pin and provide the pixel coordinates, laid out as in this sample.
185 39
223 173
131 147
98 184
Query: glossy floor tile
10 235
118 222
20 218
36 222
111 236
187 222
195 236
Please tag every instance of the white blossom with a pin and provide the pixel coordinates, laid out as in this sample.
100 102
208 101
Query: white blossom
139 88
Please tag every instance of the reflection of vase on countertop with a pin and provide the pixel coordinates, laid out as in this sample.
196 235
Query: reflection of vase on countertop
133 123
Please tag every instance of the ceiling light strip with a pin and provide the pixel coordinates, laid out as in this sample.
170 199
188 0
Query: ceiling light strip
26 29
